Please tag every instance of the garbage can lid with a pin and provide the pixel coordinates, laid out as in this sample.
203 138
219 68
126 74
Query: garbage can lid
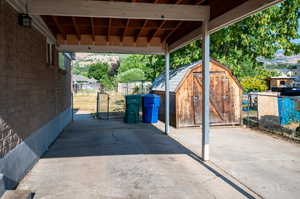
151 96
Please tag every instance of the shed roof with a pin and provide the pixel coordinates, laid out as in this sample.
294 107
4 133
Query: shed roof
177 76
282 77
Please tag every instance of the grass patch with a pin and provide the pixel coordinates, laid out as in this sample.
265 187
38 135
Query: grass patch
87 101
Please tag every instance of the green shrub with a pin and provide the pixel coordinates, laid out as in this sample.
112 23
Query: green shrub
253 84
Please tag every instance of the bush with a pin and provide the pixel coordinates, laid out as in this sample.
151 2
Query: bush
253 84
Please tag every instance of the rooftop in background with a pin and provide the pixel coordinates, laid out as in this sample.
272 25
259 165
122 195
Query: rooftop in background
282 77
280 58
80 78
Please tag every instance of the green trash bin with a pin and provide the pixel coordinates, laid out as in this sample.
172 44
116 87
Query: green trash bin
132 112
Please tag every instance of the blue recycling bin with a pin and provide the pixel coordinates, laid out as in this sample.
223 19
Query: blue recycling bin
151 104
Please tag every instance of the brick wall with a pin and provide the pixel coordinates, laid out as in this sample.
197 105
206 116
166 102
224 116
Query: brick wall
31 92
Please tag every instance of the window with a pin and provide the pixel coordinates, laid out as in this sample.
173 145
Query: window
50 53
61 61
282 83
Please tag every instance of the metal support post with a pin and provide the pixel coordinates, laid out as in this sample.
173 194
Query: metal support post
205 91
167 93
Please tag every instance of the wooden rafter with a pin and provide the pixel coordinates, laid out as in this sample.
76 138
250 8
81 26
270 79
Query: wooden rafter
126 27
108 30
141 30
156 31
93 28
59 27
76 28
200 2
172 31
178 1
179 23
125 30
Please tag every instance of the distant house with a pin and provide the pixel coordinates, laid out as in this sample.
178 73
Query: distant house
83 83
286 72
279 82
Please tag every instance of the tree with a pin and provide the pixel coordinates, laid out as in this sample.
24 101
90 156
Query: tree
100 72
80 70
151 65
131 75
262 34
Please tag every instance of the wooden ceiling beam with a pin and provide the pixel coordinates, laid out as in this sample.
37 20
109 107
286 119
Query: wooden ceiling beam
156 31
145 23
117 9
172 31
76 28
93 28
112 49
199 2
141 30
178 1
127 23
59 27
179 23
108 31
129 27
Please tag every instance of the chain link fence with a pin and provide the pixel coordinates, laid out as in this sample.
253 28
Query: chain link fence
111 104
273 113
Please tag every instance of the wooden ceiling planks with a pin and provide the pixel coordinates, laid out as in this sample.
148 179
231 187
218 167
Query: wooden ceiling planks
133 30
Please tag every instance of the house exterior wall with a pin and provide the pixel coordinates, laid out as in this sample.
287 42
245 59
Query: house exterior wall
32 95
275 83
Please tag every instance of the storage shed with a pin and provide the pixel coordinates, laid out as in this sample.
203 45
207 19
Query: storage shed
186 95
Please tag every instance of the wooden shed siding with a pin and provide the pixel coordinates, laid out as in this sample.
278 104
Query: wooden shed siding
225 99
161 113
185 108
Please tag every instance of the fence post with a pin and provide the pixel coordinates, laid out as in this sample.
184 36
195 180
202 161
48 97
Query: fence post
97 108
107 107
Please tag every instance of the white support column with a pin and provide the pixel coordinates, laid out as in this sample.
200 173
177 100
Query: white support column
167 93
205 91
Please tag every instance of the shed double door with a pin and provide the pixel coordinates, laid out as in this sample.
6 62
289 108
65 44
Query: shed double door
219 98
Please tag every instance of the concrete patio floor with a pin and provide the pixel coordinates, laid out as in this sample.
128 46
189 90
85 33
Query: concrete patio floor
266 164
110 159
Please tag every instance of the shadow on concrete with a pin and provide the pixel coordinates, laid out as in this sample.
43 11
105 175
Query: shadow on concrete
90 137
110 115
